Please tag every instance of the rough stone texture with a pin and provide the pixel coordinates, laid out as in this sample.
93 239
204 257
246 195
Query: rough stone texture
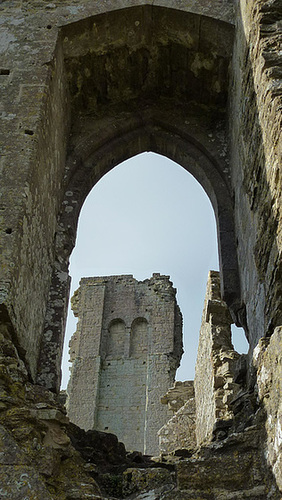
43 456
232 469
136 480
179 432
31 171
22 482
267 359
53 150
255 132
215 386
209 412
171 99
37 459
125 353
178 395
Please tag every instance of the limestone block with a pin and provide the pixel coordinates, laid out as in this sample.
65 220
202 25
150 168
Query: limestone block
228 471
50 414
178 395
56 437
179 432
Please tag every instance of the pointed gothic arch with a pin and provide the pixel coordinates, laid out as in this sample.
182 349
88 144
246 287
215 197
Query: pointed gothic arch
160 87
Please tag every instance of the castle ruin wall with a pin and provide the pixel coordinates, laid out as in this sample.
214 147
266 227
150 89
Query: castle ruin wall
203 408
215 370
44 169
125 353
53 152
256 145
179 433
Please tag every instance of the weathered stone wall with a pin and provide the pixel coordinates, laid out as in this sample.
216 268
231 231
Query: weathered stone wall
215 365
179 432
45 48
203 408
32 77
125 353
177 395
44 456
267 360
255 125
32 163
41 200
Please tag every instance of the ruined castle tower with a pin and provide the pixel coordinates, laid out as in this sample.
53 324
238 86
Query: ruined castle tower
124 354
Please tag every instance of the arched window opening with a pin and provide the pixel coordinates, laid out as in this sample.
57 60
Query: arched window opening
139 337
116 339
149 215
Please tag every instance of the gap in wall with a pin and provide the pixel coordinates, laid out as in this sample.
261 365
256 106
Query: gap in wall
149 215
241 345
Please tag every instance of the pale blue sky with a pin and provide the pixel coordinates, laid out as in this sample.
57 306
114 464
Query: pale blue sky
150 215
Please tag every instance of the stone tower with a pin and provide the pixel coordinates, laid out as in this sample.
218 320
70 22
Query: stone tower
124 355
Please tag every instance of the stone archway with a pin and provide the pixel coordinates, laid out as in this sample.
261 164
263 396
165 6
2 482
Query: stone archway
142 79
184 153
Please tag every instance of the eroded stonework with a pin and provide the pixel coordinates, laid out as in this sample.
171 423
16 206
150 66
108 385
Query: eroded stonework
216 364
179 432
204 408
124 354
43 455
101 82
267 359
86 85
